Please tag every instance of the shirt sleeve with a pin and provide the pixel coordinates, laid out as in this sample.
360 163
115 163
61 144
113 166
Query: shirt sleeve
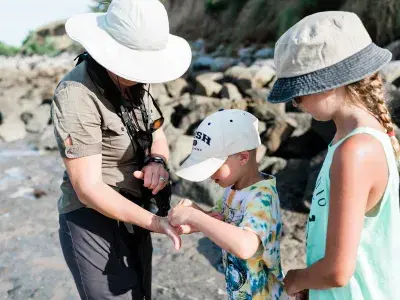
262 216
75 115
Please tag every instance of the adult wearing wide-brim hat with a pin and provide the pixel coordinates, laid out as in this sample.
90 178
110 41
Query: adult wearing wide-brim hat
109 133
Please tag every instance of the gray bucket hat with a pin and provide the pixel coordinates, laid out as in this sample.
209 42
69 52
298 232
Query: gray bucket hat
324 51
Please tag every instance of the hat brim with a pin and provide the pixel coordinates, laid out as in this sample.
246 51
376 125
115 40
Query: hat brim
352 69
196 171
154 66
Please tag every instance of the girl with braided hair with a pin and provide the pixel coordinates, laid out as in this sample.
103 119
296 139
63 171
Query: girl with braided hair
328 66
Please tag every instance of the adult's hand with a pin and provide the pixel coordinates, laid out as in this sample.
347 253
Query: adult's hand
164 227
154 175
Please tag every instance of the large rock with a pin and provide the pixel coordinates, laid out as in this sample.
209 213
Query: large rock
157 90
304 146
213 76
199 108
272 165
394 47
262 109
12 129
221 64
276 133
326 130
39 120
391 71
393 102
231 92
241 76
47 139
206 87
264 53
291 183
265 63
176 87
207 192
264 77
180 150
303 121
203 63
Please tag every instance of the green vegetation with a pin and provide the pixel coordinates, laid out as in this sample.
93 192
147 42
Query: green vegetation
38 45
266 20
7 50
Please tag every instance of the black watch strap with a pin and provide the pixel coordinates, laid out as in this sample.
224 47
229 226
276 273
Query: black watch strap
156 159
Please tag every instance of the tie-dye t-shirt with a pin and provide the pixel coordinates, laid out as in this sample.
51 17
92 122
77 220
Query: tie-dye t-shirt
255 208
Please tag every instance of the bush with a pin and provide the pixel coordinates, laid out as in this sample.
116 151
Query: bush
8 50
37 45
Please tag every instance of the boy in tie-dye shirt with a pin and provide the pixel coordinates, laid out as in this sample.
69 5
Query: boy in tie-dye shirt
246 221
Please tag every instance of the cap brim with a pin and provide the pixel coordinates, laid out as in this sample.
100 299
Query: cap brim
352 69
140 66
196 171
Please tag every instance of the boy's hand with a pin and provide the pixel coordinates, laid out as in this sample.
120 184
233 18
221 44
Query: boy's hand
186 203
180 215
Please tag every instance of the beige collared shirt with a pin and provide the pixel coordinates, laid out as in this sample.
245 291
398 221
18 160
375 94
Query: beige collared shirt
81 112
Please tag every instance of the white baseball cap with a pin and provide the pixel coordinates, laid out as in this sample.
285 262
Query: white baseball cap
220 135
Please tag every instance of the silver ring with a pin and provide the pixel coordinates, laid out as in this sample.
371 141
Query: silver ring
163 178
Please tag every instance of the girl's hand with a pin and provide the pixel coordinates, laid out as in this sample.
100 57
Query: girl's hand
290 283
303 295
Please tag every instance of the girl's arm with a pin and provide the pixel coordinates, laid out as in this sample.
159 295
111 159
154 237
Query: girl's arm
357 165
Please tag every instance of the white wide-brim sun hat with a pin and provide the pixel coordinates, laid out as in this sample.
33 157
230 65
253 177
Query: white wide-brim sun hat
132 40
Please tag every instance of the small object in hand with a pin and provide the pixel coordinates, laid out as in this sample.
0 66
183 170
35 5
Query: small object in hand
303 295
163 178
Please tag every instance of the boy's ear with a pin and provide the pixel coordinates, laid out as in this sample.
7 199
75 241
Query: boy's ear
244 157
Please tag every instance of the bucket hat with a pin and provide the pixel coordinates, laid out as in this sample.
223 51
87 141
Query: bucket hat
323 51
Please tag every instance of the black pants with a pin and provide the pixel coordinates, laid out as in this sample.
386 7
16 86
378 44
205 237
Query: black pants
106 261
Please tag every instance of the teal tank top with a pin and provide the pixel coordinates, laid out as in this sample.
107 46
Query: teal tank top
377 273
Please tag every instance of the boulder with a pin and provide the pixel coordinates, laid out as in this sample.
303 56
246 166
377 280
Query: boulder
391 71
176 87
207 87
264 53
231 92
221 64
47 140
241 76
39 120
278 132
12 129
207 191
264 77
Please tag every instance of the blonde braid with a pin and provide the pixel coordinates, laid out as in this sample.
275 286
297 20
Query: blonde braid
370 92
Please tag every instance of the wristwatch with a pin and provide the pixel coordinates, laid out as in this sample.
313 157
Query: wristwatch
157 160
